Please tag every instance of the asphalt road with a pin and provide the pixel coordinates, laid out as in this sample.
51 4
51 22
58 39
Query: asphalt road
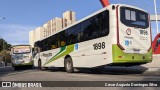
8 74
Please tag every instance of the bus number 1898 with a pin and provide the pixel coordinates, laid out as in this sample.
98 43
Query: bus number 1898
97 46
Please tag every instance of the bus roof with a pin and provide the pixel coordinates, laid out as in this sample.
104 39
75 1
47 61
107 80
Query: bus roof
93 14
20 45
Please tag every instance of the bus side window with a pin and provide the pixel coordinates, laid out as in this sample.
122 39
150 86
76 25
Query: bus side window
53 46
63 43
61 39
34 52
105 24
85 25
54 41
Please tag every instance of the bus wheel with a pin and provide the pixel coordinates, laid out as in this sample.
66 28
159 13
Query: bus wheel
39 65
69 65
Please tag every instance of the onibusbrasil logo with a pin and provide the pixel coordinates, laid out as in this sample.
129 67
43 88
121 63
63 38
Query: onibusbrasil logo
21 84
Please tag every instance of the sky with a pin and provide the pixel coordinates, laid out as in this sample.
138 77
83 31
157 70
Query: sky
23 16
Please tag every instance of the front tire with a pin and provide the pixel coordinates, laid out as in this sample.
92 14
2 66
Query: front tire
69 65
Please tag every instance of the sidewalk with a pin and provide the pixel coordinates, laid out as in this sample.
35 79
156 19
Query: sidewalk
152 68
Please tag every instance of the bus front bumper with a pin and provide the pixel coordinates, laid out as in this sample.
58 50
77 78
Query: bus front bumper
22 64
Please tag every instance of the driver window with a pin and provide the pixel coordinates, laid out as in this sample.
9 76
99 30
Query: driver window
36 50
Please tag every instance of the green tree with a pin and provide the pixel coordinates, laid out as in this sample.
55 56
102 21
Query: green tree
6 56
4 45
4 51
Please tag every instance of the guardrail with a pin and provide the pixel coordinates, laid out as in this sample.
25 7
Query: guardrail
153 18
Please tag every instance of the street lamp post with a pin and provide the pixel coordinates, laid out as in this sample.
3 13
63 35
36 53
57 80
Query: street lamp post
155 6
3 18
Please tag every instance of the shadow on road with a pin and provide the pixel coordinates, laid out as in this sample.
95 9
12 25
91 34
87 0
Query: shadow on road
10 71
108 70
103 71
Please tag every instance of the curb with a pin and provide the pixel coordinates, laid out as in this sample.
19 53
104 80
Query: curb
152 71
134 70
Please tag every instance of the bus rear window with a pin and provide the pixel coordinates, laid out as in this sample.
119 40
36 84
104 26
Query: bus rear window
134 18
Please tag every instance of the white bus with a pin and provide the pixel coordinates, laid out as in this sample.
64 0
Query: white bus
21 56
116 35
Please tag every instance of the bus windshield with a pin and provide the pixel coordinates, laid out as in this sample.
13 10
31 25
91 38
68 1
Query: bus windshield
21 49
134 18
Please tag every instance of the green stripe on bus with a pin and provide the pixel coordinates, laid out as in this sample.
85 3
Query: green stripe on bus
62 49
67 50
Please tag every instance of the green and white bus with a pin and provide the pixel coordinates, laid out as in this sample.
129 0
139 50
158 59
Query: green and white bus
21 56
115 35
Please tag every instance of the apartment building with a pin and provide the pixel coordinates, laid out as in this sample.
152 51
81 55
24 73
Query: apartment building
36 35
56 25
68 18
51 27
31 38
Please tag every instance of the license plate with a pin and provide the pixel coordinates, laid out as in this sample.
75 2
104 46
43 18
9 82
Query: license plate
136 51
